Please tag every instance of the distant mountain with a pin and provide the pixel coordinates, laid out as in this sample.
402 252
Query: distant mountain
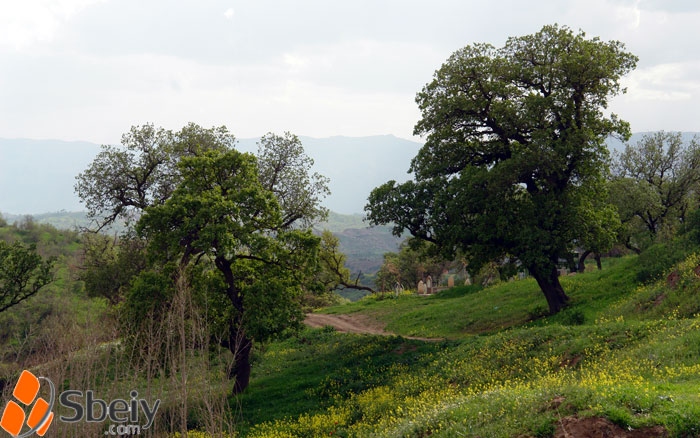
38 175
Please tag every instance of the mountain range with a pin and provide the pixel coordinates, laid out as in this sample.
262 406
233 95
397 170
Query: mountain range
38 175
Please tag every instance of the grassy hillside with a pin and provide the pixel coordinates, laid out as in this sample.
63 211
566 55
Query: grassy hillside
620 358
62 306
469 310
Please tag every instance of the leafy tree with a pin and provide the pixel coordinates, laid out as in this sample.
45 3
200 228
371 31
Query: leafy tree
514 156
285 170
123 181
332 273
109 265
221 213
600 232
22 273
653 186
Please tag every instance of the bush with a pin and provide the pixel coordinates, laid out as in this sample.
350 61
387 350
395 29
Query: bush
658 259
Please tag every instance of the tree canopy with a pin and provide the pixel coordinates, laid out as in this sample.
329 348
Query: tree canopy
653 185
233 224
514 161
23 273
220 211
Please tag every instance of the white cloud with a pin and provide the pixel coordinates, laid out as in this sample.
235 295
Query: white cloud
68 70
25 22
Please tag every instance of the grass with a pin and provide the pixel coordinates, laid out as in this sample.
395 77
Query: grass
306 374
468 310
509 371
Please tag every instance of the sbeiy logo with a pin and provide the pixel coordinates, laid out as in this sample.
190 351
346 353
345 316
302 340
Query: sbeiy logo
92 410
40 416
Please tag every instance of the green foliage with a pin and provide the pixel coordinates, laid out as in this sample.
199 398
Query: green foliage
149 294
515 158
655 181
220 211
61 310
573 317
23 273
109 265
414 262
656 261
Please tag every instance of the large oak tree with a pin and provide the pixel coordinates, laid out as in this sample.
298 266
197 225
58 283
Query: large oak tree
514 160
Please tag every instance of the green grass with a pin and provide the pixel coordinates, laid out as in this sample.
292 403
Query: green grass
468 310
306 374
500 385
608 355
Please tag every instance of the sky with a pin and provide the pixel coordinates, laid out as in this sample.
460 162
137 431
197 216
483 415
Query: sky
89 69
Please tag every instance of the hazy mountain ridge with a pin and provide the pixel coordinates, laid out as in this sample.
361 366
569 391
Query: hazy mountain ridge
42 173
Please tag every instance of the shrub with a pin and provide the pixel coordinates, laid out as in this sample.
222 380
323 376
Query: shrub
658 259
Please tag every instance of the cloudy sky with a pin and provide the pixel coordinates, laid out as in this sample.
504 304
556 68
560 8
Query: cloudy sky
89 69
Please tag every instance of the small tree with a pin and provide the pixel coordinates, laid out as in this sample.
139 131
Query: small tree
514 155
109 265
332 273
22 273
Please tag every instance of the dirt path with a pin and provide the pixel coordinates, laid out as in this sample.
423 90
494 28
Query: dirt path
360 324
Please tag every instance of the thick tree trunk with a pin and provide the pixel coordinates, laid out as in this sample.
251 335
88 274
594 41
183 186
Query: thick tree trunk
598 261
553 292
582 261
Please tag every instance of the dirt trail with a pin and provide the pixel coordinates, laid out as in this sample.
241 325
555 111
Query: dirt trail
360 324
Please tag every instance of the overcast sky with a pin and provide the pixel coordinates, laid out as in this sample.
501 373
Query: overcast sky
89 69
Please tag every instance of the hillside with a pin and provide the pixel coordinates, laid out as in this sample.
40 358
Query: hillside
363 245
607 365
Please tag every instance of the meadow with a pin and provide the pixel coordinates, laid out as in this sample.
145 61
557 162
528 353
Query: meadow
504 370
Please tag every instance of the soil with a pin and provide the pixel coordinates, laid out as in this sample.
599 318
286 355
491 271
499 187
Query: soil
575 427
359 324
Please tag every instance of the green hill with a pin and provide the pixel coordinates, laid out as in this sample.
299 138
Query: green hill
620 360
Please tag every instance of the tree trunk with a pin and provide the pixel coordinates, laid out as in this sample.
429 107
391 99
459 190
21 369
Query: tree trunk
598 261
241 367
553 292
238 343
582 261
